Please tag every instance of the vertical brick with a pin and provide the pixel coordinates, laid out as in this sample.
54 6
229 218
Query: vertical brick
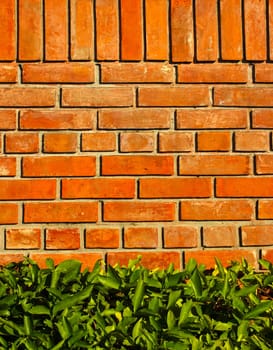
140 237
102 237
136 142
214 141
157 43
131 30
63 238
7 30
56 30
219 236
251 141
270 28
22 143
60 143
180 237
98 141
176 141
23 238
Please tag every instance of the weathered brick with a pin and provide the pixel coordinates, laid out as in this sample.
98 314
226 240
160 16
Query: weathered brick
98 141
180 237
7 30
252 141
175 141
22 143
8 72
140 237
220 236
62 238
102 237
264 164
137 142
7 166
257 235
263 73
8 213
7 120
214 141
23 238
27 97
60 143
262 119
265 209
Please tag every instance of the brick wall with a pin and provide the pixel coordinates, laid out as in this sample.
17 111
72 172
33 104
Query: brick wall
136 127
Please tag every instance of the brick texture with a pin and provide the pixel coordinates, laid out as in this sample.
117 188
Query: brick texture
132 127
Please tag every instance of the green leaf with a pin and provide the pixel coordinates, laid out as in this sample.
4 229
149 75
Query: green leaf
170 320
196 283
173 296
39 310
139 294
109 282
245 291
259 309
242 331
137 330
184 313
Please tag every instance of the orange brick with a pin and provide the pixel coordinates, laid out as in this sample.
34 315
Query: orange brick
98 188
136 142
270 28
243 96
180 237
267 254
255 29
7 120
63 238
102 238
22 143
81 30
182 42
219 236
265 209
176 142
27 189
7 30
136 73
97 97
138 211
264 164
131 30
59 166
7 166
262 119
251 141
206 30
30 30
135 119
56 30
156 24
8 72
107 33
175 188
214 165
137 165
60 212
213 73
8 213
58 73
27 97
217 210
257 235
57 120
23 238
231 30
173 96
214 141
59 143
211 119
263 73
9 258
140 237
98 141
150 260
244 187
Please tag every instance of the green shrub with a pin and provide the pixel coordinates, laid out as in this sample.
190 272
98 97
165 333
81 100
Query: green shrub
135 308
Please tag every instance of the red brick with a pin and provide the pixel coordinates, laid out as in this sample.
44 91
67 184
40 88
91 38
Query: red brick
131 30
206 30
214 165
136 73
138 211
262 119
270 28
107 33
231 30
264 164
176 142
7 166
214 141
211 119
59 166
137 165
99 141
227 256
58 73
21 143
57 120
23 238
175 188
263 73
244 187
7 120
217 210
59 143
63 238
56 30
102 238
98 188
213 73
267 254
60 212
30 30
81 30
27 189
9 258
150 260
135 119
137 142
140 237
97 97
265 209
251 141
243 96
8 72
257 235
255 29
7 30
156 24
219 236
182 42
180 237
27 97
173 96
8 213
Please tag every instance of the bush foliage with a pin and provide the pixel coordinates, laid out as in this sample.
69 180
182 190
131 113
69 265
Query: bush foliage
62 307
